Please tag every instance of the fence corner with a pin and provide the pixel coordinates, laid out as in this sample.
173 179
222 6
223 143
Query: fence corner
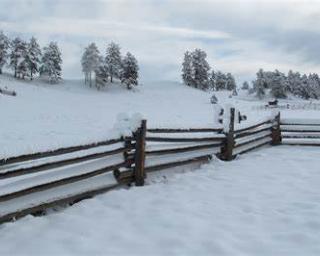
227 149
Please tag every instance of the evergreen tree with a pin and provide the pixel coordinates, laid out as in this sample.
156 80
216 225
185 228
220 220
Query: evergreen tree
4 47
260 84
51 63
259 89
33 57
245 85
212 80
101 74
200 69
187 70
90 62
129 71
22 69
278 85
314 86
113 61
230 82
220 81
17 55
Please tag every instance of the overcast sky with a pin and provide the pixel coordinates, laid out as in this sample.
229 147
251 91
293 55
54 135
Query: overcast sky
239 36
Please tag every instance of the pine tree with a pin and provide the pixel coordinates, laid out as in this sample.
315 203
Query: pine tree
220 81
51 63
200 69
17 55
314 86
90 62
187 70
4 47
101 74
231 83
259 89
33 57
22 68
278 85
212 80
113 60
129 71
245 85
260 84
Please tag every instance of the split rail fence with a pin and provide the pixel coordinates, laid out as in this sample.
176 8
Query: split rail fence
30 184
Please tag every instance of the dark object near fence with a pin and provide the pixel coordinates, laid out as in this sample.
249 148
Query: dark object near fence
8 92
241 117
220 120
273 103
214 99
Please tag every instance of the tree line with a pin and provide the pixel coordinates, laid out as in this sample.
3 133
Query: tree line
27 60
196 73
280 85
99 70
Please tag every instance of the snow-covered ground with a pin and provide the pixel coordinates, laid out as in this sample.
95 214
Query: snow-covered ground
263 203
44 116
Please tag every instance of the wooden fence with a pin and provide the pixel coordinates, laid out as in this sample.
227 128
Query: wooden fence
301 132
32 183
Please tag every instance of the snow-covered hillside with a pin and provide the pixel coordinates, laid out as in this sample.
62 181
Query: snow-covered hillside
44 116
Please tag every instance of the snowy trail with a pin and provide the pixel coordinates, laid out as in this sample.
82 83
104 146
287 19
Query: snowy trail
263 203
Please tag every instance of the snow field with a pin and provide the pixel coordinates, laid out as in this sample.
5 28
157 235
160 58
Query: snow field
263 203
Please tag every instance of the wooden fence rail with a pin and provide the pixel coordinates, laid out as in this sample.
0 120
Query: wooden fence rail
33 182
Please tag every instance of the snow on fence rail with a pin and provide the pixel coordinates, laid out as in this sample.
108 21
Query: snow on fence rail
32 183
291 106
301 132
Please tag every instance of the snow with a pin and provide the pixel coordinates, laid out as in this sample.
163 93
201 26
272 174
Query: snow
266 202
45 116
241 207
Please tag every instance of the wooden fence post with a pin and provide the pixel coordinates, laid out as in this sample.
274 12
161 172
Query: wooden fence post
227 150
139 172
276 131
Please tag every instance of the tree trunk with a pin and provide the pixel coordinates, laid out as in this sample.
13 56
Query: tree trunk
111 78
0 71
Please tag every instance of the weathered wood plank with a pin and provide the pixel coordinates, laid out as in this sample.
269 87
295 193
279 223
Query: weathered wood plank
63 201
48 166
252 126
68 180
181 150
139 172
199 159
244 134
191 130
56 152
237 145
162 139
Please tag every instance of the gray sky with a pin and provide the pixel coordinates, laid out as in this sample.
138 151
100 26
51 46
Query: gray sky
239 36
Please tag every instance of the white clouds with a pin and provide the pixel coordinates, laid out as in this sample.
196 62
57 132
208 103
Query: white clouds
239 36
